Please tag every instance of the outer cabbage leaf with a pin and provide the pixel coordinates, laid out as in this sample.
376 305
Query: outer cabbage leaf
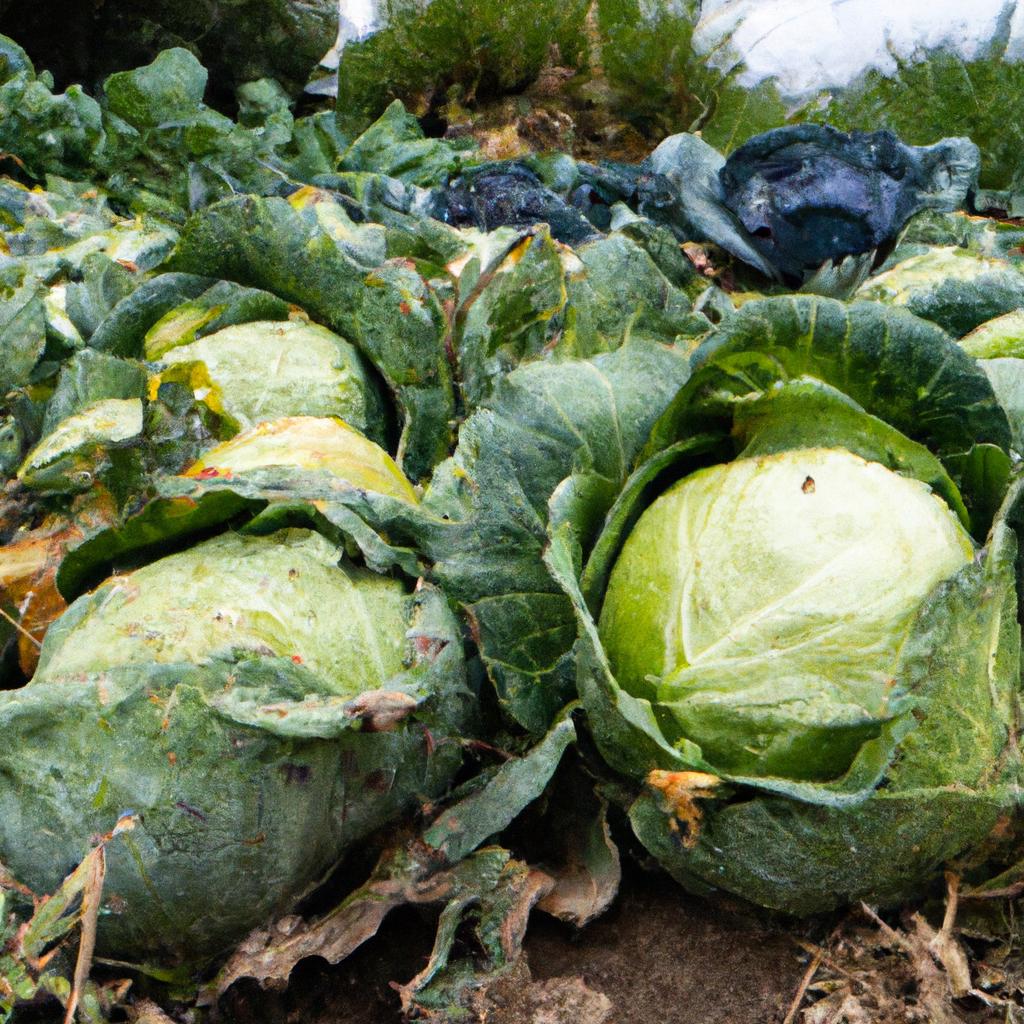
505 312
225 304
169 89
951 287
1000 338
104 282
89 377
396 146
544 421
305 442
896 366
22 333
998 345
306 471
623 293
697 210
123 330
76 450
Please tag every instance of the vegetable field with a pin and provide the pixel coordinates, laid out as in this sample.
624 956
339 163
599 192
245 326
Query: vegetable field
511 513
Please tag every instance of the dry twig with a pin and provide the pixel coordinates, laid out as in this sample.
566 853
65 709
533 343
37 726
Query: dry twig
801 990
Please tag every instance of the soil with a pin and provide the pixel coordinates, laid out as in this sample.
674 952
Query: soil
658 956
661 956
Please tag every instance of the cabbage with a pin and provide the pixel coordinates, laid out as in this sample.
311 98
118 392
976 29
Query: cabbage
261 371
764 604
258 707
236 597
957 289
790 637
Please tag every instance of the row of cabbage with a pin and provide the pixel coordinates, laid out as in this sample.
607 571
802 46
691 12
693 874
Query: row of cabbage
315 497
727 68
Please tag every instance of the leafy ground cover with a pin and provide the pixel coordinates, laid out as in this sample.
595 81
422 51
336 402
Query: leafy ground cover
422 549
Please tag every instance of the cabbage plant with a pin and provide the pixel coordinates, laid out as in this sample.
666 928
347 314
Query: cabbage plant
259 701
262 370
952 286
796 610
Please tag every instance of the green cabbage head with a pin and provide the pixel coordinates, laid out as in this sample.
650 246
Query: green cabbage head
259 703
798 633
764 605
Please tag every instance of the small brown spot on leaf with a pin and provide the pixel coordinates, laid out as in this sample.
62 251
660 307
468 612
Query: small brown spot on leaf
808 485
428 647
191 811
381 710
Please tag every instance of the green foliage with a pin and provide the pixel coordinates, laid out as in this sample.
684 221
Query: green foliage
759 389
395 145
297 450
453 47
665 86
22 333
939 95
154 143
543 423
169 89
230 750
387 311
665 83
951 287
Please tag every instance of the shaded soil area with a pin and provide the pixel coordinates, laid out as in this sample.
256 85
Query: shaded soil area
661 956
658 956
